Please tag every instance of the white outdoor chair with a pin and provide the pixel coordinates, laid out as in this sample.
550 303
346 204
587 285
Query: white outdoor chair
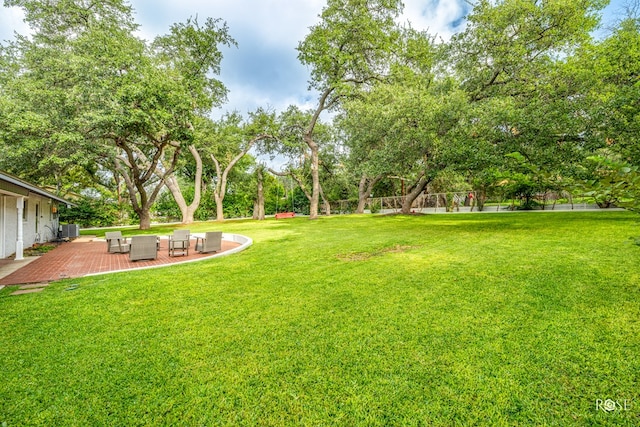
211 242
179 241
115 242
143 247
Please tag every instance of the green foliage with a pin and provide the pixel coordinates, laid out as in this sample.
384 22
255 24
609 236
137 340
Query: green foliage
614 66
616 183
192 49
521 186
85 90
475 320
90 212
507 44
84 94
300 203
226 144
374 207
39 249
402 128
351 44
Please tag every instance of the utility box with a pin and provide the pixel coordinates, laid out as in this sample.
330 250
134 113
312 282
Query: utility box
70 231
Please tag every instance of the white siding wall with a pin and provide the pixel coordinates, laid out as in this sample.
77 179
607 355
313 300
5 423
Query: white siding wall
47 225
10 222
2 227
29 225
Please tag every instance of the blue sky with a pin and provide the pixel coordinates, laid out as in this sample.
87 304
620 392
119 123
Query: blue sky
264 70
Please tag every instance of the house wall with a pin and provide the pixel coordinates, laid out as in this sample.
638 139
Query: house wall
9 225
40 224
2 239
29 225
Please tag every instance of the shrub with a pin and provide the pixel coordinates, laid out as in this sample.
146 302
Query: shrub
91 213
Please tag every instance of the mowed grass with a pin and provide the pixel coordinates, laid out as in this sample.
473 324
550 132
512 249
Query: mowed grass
445 320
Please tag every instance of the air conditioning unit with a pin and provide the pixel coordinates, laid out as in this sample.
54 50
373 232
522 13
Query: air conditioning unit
70 231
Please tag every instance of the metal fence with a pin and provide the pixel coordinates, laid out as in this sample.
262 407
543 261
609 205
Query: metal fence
464 202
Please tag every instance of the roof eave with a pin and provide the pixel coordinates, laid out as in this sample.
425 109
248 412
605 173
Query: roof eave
32 188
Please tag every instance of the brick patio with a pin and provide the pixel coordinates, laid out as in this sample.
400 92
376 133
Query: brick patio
80 258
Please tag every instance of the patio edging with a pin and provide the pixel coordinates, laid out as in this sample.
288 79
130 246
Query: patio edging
244 241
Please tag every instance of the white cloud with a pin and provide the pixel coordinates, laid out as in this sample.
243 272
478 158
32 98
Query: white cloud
12 19
274 22
439 17
264 69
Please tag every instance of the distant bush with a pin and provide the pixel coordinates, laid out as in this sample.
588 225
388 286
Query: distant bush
91 213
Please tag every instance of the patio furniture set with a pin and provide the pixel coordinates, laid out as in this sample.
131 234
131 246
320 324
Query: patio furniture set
147 246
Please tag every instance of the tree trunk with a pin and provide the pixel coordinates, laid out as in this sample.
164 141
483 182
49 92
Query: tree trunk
481 197
315 179
414 193
139 172
258 211
219 198
187 217
364 191
187 211
219 190
315 157
121 211
258 206
143 206
327 205
145 218
221 184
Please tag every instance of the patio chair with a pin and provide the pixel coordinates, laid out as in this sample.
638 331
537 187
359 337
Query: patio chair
116 243
143 247
179 241
211 242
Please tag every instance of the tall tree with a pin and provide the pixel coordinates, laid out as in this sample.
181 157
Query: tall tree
132 103
614 65
523 98
507 44
347 49
40 119
401 126
301 159
403 129
610 72
187 209
231 139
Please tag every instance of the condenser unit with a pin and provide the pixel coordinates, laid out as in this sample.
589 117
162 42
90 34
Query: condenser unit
70 231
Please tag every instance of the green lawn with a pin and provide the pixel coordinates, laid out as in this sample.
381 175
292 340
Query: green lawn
473 319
